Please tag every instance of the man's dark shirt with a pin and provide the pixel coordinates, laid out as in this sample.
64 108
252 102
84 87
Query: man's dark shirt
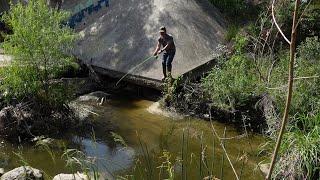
167 39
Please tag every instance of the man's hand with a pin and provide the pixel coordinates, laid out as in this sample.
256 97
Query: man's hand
156 53
160 51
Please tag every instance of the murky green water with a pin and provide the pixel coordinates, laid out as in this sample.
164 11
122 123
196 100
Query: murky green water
130 119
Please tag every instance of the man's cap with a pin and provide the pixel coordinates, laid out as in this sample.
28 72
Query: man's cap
163 29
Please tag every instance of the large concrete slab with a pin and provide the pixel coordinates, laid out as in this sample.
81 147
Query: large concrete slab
4 5
122 35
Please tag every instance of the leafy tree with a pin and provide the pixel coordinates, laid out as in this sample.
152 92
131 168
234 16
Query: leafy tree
39 45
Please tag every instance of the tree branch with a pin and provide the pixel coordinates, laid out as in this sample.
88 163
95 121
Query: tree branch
277 25
290 88
223 147
302 14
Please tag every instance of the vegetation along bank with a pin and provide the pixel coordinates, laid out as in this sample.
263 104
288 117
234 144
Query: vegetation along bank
248 86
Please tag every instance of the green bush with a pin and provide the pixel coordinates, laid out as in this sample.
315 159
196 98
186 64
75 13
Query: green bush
309 24
19 82
233 82
306 96
310 49
38 44
237 10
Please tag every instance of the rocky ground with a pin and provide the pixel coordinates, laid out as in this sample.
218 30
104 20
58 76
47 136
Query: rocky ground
29 173
23 172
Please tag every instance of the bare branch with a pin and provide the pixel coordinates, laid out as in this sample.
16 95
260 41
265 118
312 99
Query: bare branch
270 71
309 77
277 88
223 147
302 14
277 25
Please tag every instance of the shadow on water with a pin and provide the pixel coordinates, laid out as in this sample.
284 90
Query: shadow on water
128 118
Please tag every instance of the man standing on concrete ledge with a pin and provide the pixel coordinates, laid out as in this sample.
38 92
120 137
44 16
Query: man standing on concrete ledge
166 42
55 4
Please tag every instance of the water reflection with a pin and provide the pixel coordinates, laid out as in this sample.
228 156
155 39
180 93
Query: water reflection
111 158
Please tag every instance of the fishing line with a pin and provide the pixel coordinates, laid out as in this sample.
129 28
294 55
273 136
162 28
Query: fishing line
135 67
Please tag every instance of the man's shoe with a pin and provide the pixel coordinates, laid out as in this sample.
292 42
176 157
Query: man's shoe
163 79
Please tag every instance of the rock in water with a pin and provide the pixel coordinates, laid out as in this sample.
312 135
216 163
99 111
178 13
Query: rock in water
264 168
1 171
83 110
94 96
23 173
77 176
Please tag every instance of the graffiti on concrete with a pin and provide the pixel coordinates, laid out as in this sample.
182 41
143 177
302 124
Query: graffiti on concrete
80 11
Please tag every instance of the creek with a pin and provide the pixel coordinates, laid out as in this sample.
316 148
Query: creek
139 122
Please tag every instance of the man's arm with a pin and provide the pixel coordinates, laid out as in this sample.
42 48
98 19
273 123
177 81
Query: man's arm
165 48
170 42
157 49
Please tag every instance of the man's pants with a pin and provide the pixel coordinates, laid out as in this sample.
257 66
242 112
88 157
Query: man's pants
167 61
55 3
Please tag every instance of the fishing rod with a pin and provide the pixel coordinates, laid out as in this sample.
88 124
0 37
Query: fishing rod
135 67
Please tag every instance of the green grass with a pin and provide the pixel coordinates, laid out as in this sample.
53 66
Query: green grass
300 152
232 31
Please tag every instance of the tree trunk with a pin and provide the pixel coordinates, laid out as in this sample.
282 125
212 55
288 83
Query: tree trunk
290 87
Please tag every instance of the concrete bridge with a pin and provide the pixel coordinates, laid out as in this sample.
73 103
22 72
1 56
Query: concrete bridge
116 35
4 6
